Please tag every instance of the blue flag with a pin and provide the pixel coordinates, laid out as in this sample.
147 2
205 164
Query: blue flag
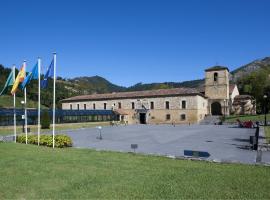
49 74
33 75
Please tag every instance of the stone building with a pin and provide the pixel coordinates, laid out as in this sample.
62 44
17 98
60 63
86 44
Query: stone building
177 105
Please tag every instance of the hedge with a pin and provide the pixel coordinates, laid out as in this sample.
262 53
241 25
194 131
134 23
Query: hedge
47 140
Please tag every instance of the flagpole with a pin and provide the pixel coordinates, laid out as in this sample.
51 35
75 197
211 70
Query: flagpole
14 105
54 80
39 63
25 109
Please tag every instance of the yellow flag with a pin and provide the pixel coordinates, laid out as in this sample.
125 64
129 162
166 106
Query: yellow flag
19 79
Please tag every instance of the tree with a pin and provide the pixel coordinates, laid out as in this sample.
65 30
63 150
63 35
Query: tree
45 120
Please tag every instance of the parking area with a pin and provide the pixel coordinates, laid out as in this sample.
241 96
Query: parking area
224 143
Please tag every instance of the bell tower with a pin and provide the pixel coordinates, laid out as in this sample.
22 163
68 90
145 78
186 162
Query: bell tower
217 90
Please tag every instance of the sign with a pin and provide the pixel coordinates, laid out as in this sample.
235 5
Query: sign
197 154
134 146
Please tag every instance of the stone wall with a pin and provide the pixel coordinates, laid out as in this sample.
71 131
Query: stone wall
218 89
195 110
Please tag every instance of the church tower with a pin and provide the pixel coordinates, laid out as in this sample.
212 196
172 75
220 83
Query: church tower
217 90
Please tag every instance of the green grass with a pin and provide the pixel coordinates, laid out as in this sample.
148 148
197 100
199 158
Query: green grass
267 133
8 130
253 118
6 101
31 172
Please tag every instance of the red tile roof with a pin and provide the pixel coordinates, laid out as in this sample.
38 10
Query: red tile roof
137 94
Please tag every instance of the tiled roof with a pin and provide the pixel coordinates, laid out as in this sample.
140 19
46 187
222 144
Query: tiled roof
216 68
242 97
137 94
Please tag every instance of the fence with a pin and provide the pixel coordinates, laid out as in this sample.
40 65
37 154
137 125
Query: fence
62 116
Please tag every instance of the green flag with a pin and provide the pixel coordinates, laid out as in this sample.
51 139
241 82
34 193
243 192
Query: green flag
9 82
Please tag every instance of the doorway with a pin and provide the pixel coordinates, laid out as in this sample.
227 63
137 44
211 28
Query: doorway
216 108
142 118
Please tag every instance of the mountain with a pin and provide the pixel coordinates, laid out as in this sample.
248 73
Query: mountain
249 68
95 84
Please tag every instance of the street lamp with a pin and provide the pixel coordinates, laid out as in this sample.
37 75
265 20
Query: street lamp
265 97
23 116
224 108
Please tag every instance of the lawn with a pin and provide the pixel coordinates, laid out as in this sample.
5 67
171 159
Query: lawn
31 172
8 130
253 118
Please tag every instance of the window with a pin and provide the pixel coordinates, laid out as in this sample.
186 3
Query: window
167 105
70 106
183 104
215 77
119 105
168 117
152 105
133 105
84 106
105 106
78 107
183 117
94 106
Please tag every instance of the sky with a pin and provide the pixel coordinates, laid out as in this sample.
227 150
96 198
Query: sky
131 41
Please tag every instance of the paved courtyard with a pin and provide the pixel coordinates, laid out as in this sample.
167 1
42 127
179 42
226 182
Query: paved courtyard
224 143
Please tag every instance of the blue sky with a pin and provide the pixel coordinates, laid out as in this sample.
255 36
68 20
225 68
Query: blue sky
133 41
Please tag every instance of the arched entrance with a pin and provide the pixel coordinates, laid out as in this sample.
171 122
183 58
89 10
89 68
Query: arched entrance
216 108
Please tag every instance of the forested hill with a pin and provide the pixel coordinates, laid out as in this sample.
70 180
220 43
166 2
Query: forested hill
85 85
95 84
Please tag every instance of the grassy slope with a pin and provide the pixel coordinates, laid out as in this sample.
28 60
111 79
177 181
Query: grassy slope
38 172
6 101
253 118
8 130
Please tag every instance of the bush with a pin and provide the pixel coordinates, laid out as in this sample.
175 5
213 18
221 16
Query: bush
45 120
47 140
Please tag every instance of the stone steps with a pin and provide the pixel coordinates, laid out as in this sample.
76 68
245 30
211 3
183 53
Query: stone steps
210 120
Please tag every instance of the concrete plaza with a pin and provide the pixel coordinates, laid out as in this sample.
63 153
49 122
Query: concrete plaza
224 143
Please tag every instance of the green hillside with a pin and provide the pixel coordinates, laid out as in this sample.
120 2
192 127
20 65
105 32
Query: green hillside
252 79
7 102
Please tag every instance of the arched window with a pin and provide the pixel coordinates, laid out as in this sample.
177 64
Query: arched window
215 77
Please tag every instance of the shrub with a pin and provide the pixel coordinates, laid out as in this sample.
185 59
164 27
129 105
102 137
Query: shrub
47 140
45 120
63 141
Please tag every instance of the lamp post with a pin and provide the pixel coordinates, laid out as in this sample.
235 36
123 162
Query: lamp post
224 108
265 98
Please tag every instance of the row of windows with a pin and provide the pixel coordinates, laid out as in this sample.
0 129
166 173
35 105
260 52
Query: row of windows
152 105
182 117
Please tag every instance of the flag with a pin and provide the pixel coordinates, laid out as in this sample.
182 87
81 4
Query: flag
49 74
9 82
19 79
30 76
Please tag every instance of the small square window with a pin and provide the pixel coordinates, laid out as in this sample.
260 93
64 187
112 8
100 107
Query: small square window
168 117
183 117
